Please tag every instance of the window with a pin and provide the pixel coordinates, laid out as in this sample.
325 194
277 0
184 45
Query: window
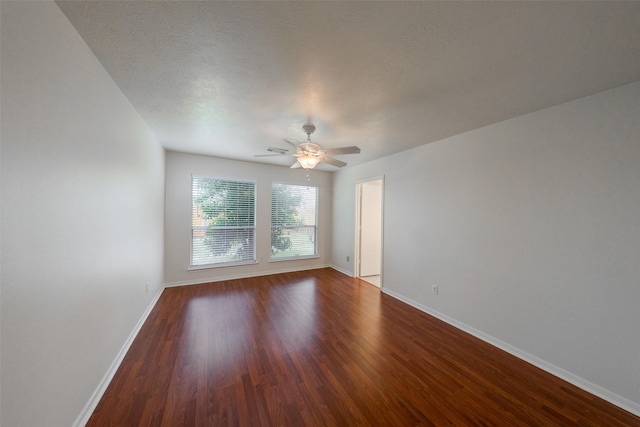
293 221
223 221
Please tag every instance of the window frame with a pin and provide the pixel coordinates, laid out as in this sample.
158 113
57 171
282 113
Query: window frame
206 227
315 224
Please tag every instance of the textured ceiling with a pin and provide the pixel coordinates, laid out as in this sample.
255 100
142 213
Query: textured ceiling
230 79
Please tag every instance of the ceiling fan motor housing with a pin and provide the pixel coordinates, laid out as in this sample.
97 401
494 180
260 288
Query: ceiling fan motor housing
310 148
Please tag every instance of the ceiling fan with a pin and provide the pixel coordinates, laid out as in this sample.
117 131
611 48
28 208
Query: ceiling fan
309 154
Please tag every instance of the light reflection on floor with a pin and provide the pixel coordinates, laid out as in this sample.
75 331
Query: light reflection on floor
219 332
227 330
368 321
293 313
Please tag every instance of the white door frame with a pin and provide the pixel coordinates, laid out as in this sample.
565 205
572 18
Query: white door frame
358 221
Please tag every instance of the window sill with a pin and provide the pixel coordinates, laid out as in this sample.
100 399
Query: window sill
211 266
293 258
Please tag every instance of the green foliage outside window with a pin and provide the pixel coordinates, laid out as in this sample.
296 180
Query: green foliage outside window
284 214
228 210
293 221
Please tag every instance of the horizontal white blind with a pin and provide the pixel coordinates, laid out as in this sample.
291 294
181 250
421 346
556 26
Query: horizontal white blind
223 221
293 221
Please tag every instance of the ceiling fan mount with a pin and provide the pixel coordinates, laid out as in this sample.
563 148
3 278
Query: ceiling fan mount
309 128
309 154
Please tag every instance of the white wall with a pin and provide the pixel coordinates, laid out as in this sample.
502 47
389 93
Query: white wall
82 218
531 229
180 168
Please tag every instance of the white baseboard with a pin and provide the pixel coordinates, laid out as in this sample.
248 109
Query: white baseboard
594 389
241 276
88 409
343 271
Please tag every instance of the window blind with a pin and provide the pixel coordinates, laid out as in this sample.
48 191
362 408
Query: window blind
222 221
293 221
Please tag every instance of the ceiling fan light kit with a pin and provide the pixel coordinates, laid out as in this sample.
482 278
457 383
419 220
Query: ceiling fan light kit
309 154
308 161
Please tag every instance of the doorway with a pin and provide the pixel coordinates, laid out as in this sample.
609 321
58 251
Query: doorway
369 228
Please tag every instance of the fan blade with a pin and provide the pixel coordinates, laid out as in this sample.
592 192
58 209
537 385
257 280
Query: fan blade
294 143
332 161
342 150
272 155
296 165
277 150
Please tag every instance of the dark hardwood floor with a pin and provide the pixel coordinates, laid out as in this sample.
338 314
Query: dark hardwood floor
319 348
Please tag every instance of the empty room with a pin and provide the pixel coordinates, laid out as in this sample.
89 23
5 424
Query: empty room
319 213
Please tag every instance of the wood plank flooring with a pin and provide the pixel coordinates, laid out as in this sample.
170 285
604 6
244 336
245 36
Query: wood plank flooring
319 348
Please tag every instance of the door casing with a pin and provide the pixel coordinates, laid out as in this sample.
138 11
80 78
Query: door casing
359 220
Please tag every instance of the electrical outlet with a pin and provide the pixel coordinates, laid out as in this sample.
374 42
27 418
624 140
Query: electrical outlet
434 289
348 258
